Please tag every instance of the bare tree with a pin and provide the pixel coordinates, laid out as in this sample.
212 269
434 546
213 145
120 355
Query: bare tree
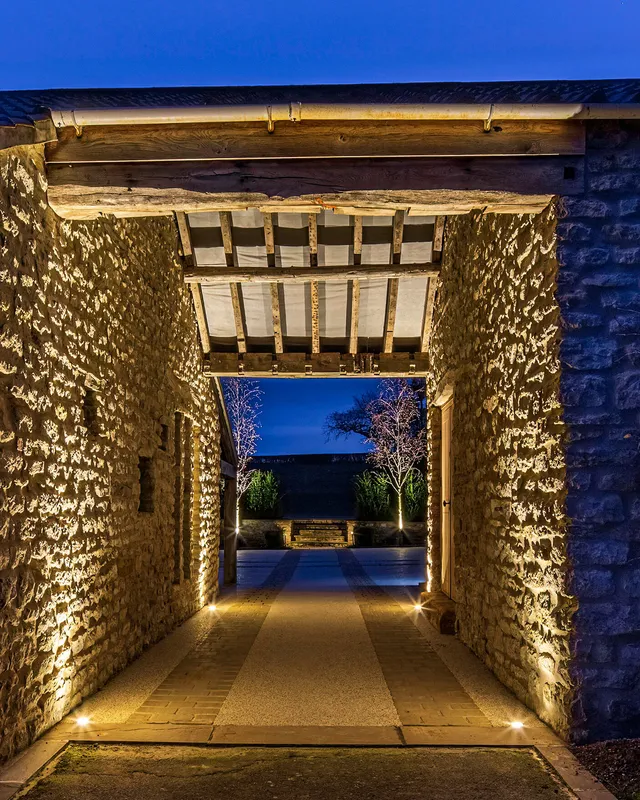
397 436
357 419
243 398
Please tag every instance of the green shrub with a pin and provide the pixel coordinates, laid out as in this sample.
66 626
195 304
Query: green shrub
262 498
414 495
372 496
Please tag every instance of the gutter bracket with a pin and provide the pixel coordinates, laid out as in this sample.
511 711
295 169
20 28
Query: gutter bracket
488 120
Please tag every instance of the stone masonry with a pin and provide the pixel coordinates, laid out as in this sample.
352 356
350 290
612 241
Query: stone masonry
537 325
98 353
599 297
496 337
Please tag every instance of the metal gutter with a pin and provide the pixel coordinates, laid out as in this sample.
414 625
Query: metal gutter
298 112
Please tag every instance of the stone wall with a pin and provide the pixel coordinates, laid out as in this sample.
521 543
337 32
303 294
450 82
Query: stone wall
599 252
98 351
496 338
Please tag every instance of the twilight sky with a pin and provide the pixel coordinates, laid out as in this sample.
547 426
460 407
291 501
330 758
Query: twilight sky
210 42
294 412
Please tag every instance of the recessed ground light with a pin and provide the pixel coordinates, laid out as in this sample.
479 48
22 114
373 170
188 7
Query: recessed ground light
212 607
517 724
83 721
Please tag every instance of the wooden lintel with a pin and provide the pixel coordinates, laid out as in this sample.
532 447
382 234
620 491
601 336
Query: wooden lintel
86 190
41 131
220 274
316 139
317 365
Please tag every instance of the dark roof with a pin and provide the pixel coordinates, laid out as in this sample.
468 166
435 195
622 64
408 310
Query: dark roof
25 106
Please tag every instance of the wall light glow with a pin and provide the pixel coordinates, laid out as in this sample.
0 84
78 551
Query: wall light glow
83 721
517 724
212 607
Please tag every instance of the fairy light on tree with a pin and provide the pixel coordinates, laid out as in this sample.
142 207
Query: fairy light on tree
397 436
243 399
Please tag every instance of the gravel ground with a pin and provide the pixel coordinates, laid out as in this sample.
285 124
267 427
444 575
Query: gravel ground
616 764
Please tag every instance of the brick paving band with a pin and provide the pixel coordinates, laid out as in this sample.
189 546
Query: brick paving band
196 689
423 689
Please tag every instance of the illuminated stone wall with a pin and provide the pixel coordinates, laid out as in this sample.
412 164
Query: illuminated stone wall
496 333
86 579
599 296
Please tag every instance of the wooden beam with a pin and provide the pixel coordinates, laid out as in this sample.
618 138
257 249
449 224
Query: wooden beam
392 284
305 274
201 316
315 296
39 132
354 321
196 291
184 233
315 318
82 191
276 315
238 316
316 139
398 230
427 320
355 316
226 226
317 365
357 239
438 240
276 310
390 314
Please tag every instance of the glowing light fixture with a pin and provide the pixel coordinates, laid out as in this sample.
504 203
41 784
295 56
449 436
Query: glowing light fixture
212 607
83 721
517 724
418 607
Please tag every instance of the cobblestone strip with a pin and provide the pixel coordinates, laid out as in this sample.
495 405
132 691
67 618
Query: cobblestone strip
423 689
196 689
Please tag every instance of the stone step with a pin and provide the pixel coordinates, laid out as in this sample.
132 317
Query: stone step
307 532
317 545
319 528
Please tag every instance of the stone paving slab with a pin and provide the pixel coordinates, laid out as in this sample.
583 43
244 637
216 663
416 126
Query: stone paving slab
312 662
424 690
196 689
306 735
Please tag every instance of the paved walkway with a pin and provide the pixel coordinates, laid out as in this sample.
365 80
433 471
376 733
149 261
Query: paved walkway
313 648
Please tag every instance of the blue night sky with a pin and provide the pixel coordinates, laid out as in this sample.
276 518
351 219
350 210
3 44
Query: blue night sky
208 42
294 412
